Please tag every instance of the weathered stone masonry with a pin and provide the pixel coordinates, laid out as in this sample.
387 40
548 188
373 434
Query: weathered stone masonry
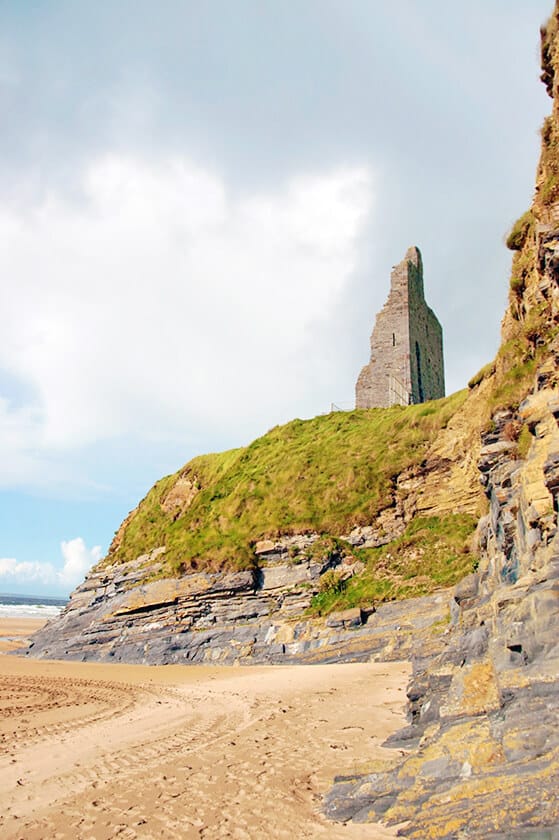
407 364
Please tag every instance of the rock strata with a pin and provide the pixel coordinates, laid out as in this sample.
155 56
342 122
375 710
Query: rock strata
243 617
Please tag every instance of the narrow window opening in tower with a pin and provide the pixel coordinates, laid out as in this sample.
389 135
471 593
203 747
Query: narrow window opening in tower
393 339
419 379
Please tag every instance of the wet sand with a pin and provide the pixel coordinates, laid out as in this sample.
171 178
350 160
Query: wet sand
100 751
15 631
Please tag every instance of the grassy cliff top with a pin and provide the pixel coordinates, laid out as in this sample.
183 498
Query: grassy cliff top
323 475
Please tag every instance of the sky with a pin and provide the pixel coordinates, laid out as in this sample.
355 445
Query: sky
200 205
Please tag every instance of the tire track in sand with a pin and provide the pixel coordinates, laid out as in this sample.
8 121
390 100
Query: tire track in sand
245 757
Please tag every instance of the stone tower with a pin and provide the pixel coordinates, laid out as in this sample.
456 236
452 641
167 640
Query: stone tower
407 364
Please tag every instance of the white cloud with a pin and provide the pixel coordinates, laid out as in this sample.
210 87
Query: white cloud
77 560
156 302
13 571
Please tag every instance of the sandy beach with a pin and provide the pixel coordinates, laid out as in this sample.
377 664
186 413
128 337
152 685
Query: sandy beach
15 631
100 751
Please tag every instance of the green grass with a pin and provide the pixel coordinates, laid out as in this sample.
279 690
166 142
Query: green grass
520 231
513 387
523 267
325 475
485 372
524 442
518 359
433 552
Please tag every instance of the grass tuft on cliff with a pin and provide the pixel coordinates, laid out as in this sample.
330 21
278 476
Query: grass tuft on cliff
323 475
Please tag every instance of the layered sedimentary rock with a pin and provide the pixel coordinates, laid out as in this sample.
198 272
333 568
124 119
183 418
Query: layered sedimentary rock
247 617
484 708
406 364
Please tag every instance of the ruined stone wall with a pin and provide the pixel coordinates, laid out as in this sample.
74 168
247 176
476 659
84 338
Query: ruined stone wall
406 362
388 370
425 339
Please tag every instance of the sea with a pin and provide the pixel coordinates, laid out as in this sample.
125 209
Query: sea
30 606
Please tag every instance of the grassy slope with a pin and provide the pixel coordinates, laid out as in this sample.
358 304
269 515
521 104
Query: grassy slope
326 475
433 552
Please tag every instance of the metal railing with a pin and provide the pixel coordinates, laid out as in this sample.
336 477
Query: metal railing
341 406
398 394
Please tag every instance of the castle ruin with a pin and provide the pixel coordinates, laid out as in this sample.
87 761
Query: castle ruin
407 364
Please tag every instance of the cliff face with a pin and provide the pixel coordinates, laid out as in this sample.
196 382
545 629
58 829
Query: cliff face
230 618
484 710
